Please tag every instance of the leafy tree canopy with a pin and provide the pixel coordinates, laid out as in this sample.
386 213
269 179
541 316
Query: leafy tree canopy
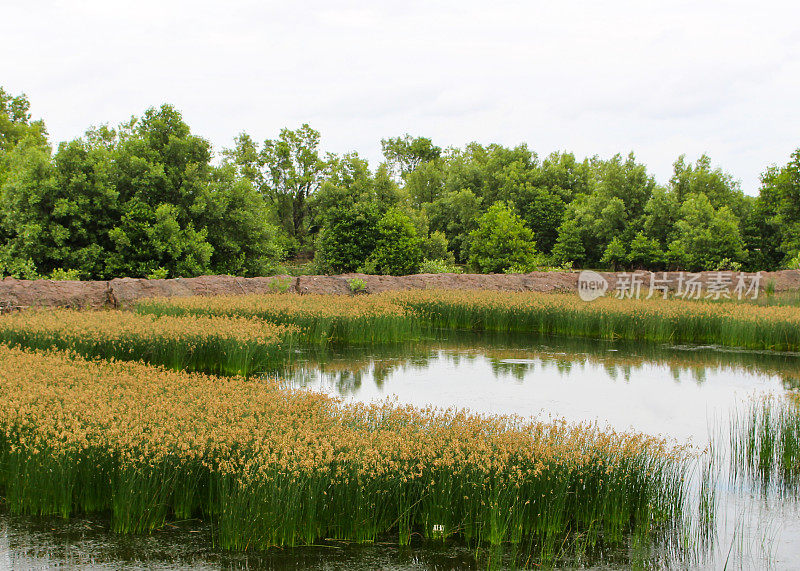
502 242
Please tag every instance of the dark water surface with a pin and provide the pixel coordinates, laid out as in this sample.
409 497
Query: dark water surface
682 393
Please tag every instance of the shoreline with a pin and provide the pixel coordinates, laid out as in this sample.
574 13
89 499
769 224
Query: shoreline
123 292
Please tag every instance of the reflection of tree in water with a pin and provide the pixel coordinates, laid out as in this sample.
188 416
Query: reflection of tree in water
517 371
348 382
518 357
791 383
381 371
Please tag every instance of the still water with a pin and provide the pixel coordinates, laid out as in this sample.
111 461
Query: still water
661 390
686 394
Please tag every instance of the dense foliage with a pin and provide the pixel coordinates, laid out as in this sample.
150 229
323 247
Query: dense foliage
148 199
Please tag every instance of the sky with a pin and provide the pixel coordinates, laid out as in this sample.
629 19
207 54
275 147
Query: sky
593 78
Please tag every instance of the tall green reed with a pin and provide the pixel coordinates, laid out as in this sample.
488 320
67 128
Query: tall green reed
322 319
208 344
765 445
272 467
657 320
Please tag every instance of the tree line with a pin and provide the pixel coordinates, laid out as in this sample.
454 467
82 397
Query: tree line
147 199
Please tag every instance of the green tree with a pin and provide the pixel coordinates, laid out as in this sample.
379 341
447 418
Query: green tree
759 231
436 247
425 183
455 213
563 175
15 122
16 126
398 248
407 153
57 210
501 242
244 241
347 210
163 174
598 219
287 171
645 252
493 173
660 215
615 208
569 246
615 254
349 236
543 211
135 201
27 201
349 182
779 203
719 186
627 181
706 236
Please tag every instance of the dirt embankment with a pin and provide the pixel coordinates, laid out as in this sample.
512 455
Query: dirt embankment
123 292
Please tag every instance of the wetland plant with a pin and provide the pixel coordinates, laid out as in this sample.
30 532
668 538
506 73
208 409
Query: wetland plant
270 466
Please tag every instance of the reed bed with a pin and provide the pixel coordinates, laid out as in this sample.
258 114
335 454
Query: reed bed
274 467
657 320
765 444
210 344
400 316
323 319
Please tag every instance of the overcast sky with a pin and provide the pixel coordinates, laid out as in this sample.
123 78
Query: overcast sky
659 79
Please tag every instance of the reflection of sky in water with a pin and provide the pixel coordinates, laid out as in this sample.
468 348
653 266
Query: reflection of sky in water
682 393
653 397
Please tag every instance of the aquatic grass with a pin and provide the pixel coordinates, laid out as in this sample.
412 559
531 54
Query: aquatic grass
401 316
322 319
784 298
765 445
655 320
275 467
398 316
210 344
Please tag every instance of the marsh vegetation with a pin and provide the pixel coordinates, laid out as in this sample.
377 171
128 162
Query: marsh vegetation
184 409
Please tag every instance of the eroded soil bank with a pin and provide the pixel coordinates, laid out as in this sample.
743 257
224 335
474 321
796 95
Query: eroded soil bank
121 292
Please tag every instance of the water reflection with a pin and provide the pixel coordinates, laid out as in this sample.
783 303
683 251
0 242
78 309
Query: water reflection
517 355
665 390
86 543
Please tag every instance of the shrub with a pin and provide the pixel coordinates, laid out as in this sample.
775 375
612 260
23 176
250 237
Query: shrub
280 285
158 274
348 238
439 267
501 241
434 247
398 249
357 285
60 274
21 269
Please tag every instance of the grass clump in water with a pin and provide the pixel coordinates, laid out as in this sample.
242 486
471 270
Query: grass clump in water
322 319
765 444
210 344
655 320
274 467
401 316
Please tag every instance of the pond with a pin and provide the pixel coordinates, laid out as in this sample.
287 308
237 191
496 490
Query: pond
686 393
